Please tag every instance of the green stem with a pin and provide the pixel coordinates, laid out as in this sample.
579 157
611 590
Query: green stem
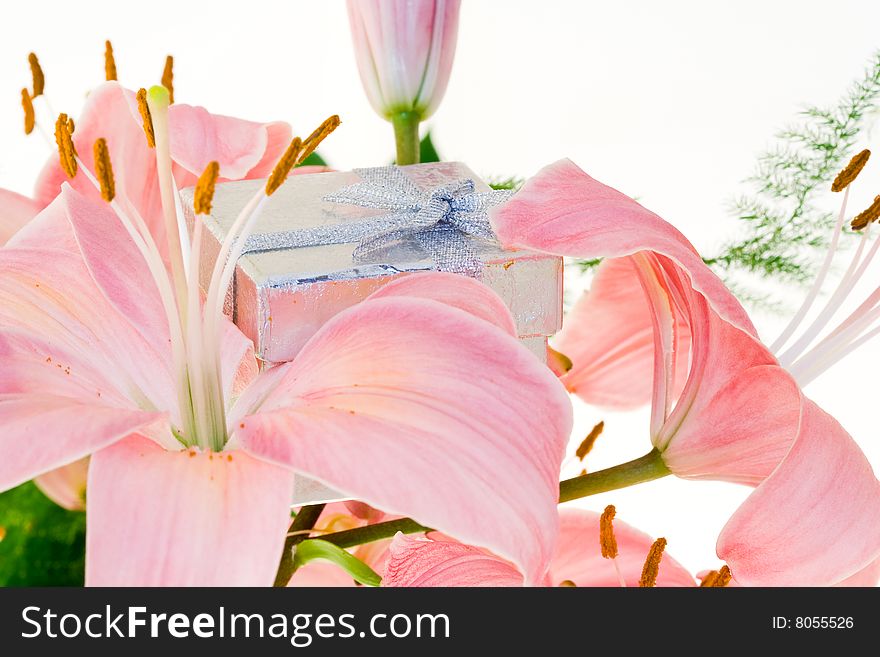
646 468
406 134
377 532
304 520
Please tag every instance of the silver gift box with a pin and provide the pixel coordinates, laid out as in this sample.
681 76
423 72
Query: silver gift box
279 299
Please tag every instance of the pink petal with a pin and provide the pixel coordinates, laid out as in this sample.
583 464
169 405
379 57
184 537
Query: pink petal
423 562
111 112
815 521
384 405
238 364
456 291
99 313
44 432
564 211
15 211
240 147
579 558
117 267
742 432
186 518
66 486
609 336
738 413
868 576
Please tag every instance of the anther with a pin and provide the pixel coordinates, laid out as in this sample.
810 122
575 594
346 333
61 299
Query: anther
850 171
588 442
39 80
28 107
607 540
66 149
652 564
146 118
567 583
109 62
168 78
104 170
716 578
205 188
320 133
868 215
285 164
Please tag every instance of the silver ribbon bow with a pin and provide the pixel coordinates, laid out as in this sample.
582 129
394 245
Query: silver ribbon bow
443 221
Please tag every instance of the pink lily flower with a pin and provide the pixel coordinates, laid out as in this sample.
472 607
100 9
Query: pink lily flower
739 416
411 401
578 560
243 149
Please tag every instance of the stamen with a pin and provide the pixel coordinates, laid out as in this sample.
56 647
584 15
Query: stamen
28 107
285 164
652 564
567 583
109 62
867 216
39 80
715 579
850 171
146 117
104 170
168 78
66 149
320 134
588 442
205 188
607 540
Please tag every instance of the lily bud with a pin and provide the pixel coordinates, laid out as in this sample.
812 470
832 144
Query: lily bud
404 52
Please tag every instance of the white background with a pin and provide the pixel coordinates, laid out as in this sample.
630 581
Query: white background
669 101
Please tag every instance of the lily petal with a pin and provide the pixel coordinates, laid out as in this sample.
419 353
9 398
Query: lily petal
186 518
394 391
424 562
454 290
244 149
44 432
563 211
609 337
579 558
66 486
113 319
15 211
824 493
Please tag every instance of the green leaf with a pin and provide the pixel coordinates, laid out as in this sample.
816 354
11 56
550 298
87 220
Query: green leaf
315 549
42 544
511 182
785 222
313 160
427 152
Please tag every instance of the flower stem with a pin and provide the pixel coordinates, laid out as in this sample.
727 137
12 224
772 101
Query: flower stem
645 468
377 532
406 134
304 520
